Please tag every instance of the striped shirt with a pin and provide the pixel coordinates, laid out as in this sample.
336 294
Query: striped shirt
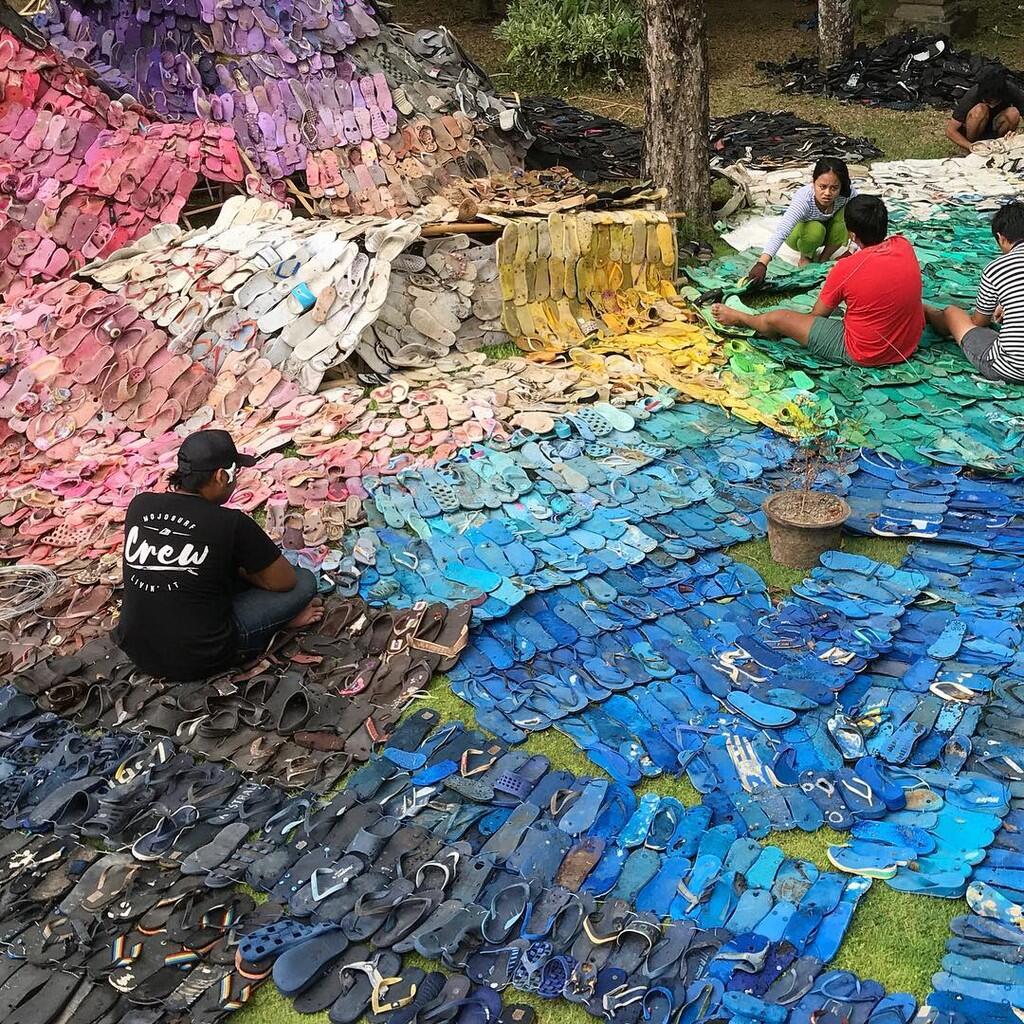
1002 284
803 207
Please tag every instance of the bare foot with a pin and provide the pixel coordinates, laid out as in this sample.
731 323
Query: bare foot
312 613
803 261
726 315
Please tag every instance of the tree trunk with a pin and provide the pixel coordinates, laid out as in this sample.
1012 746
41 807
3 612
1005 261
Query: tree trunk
676 105
835 32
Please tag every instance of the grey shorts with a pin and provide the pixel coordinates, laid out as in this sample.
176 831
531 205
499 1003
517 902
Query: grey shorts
977 345
827 339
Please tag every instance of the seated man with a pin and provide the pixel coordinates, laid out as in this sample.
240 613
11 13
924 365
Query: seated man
990 109
204 587
996 354
880 284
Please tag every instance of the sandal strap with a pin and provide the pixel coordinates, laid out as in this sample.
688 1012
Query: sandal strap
449 651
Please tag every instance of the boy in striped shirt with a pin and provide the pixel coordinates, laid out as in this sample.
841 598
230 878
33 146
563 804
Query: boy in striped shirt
997 354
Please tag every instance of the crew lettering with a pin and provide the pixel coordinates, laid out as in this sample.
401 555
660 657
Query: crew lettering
140 554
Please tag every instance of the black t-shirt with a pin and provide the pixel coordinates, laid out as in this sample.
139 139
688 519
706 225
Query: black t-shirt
971 98
182 554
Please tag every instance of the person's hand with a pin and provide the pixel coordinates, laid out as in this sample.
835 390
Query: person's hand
756 274
997 316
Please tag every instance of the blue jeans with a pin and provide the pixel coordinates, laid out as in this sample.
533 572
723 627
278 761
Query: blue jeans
259 614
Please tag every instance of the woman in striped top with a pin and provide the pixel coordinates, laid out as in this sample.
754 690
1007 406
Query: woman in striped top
814 219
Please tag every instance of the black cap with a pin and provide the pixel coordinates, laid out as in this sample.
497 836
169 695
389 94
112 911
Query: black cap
207 450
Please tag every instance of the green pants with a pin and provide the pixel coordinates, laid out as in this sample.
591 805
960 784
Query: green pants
810 235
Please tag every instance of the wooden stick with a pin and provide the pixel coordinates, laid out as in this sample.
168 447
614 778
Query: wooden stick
455 228
288 181
301 196
192 211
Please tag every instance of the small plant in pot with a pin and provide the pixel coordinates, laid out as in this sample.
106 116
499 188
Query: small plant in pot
804 521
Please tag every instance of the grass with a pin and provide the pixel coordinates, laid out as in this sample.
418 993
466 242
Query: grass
780 580
503 350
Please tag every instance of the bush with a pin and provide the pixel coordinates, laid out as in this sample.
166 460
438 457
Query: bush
552 39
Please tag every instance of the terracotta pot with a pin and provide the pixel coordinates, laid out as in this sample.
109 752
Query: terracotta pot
799 545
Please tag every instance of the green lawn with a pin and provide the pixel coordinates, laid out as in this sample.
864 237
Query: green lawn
895 938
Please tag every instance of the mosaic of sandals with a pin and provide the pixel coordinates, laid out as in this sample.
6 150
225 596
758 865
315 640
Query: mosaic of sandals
166 80
300 716
574 275
454 81
627 512
223 377
86 177
638 461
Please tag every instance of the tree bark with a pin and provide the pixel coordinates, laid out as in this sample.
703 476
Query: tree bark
835 32
676 105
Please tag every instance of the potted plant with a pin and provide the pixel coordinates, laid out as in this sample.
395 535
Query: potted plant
804 521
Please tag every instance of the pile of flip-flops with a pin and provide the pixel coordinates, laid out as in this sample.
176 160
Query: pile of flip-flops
778 138
101 936
446 297
905 72
568 277
118 900
297 292
603 149
86 174
370 116
907 499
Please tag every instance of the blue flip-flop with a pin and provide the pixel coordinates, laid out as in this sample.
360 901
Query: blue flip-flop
750 910
659 891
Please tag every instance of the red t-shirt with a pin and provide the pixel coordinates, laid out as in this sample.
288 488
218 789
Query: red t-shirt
881 286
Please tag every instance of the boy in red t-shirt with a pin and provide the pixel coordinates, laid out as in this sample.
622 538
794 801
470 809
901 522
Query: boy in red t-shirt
880 285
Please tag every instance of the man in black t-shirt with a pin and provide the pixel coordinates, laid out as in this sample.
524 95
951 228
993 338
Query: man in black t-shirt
988 110
204 587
